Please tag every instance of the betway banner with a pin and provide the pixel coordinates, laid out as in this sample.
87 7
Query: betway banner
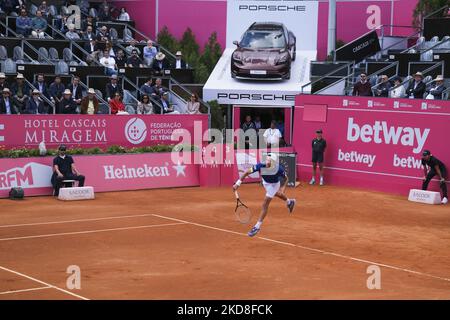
359 49
297 16
93 131
104 173
372 143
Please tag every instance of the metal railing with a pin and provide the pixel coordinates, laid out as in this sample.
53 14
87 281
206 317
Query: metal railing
347 66
133 85
29 45
173 83
378 72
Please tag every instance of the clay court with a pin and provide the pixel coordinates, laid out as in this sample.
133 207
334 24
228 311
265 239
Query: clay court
186 244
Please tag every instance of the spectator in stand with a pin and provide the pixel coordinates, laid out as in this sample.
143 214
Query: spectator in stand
158 89
248 124
7 105
91 46
45 10
63 22
20 92
112 88
146 88
110 48
121 59
41 86
160 63
109 63
38 26
258 124
150 53
104 14
167 107
88 35
89 104
179 64
124 16
272 135
77 90
35 105
145 106
134 61
193 106
3 83
398 90
72 34
132 46
383 87
416 88
103 34
67 105
437 89
56 90
363 87
116 104
23 24
88 22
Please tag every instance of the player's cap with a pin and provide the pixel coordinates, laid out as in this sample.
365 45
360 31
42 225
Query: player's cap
426 153
273 156
62 147
319 131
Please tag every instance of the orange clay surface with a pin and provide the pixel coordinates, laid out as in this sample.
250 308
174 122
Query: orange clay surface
186 244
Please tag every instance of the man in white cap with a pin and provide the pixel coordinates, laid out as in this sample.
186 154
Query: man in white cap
150 53
67 104
437 89
3 83
179 64
112 88
35 105
89 104
160 63
272 173
19 92
416 88
7 105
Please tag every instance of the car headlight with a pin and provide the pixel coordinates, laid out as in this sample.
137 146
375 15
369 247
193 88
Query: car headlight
283 59
237 56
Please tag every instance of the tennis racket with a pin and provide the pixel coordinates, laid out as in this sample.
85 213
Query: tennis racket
243 213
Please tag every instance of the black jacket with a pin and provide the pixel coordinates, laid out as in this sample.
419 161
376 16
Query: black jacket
67 106
44 91
159 66
437 92
418 92
110 91
32 107
14 109
78 92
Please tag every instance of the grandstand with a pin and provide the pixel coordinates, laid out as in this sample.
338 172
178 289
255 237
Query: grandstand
66 55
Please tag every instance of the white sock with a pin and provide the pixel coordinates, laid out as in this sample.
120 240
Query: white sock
258 225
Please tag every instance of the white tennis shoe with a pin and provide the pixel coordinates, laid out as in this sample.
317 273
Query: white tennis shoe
313 181
444 201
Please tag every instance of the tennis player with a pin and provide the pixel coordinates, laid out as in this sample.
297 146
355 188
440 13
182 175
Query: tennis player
272 173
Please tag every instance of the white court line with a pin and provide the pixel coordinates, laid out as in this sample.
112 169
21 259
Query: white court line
71 221
44 283
313 250
25 290
90 231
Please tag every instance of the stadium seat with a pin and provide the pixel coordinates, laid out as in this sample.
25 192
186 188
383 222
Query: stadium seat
127 35
103 108
61 68
17 53
113 34
67 55
53 54
93 13
98 93
43 54
130 109
3 53
53 11
435 39
33 9
9 66
426 56
64 10
420 44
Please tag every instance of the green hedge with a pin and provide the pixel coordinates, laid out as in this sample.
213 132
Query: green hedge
114 149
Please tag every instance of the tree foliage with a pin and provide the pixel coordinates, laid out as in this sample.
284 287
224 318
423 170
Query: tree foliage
425 7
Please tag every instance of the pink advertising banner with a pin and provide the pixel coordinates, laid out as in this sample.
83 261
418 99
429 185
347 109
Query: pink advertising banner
373 143
93 131
104 173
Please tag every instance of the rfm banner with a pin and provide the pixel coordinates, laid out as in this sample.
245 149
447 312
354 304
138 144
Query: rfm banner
93 131
372 143
297 16
104 173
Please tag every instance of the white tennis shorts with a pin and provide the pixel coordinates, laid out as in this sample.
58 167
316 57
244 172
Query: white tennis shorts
271 188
